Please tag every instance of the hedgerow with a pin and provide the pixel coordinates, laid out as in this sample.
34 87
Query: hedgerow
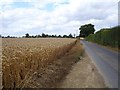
109 36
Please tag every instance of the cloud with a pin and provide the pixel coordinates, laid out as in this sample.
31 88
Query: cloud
56 16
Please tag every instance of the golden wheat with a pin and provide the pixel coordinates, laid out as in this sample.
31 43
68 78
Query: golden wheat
0 63
21 57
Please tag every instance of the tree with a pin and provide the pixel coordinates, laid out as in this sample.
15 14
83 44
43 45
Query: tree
38 36
53 36
70 36
86 30
65 36
43 35
8 36
59 36
27 35
33 36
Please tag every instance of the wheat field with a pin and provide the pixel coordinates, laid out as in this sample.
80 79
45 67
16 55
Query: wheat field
0 63
22 57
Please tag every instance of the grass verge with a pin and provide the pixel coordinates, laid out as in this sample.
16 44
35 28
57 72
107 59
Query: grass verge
54 72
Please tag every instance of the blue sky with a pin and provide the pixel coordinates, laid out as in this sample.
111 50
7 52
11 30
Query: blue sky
21 5
48 7
55 16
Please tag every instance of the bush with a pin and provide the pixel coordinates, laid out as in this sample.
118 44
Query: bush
106 37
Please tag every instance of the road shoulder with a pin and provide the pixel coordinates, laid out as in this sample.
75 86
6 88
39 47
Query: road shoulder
84 74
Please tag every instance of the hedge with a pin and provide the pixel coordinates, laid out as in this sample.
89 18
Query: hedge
108 37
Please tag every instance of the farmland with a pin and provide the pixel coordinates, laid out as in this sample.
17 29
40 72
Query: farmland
22 57
0 63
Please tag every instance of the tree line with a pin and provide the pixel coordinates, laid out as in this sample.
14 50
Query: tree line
27 35
85 30
47 36
105 36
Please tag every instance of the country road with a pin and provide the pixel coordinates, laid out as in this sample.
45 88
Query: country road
106 62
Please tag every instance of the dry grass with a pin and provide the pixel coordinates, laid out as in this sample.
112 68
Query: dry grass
0 63
55 72
21 58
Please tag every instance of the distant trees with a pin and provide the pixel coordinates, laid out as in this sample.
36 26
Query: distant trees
47 36
65 36
70 36
40 36
7 36
27 35
43 35
86 30
59 36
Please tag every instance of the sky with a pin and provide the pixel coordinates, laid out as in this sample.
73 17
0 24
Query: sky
18 17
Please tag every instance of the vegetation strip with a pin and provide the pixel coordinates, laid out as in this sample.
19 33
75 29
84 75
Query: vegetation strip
107 37
54 72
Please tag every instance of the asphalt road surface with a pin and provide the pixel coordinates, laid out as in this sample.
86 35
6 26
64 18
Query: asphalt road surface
106 62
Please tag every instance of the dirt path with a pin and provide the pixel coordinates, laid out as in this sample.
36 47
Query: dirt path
83 75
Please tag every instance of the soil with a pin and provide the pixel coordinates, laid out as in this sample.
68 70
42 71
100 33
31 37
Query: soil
83 75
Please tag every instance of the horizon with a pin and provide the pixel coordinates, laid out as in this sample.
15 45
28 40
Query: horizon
54 34
55 17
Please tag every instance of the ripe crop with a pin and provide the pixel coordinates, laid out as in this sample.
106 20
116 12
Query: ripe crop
21 57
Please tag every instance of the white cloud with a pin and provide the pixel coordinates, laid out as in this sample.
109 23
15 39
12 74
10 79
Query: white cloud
64 19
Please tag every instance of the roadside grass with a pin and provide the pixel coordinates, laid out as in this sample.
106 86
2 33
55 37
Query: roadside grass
116 49
112 48
54 72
